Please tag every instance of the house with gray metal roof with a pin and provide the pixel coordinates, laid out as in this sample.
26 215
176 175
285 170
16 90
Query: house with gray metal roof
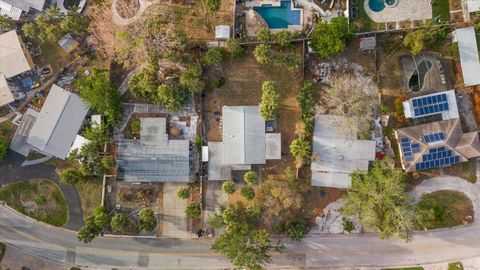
244 142
154 157
469 58
336 153
56 126
14 8
6 95
14 59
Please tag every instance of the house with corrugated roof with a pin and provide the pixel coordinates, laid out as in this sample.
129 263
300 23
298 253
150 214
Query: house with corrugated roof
244 143
14 8
469 57
154 157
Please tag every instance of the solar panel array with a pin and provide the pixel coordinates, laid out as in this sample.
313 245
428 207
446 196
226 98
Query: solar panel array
436 137
437 157
430 105
407 149
415 148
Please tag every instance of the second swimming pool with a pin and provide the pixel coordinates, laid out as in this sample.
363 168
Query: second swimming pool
279 17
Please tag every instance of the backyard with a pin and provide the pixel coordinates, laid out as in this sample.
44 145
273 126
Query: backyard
40 199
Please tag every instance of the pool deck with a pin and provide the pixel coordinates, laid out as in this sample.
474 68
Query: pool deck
405 10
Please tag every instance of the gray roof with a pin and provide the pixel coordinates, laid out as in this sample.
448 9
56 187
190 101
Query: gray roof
58 123
25 5
336 153
12 57
68 43
469 59
243 135
153 158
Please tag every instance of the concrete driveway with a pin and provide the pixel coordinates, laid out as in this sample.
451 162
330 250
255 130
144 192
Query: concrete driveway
173 213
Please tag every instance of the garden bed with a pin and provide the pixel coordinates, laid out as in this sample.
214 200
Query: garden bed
40 199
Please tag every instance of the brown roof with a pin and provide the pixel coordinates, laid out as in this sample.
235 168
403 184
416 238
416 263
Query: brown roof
465 145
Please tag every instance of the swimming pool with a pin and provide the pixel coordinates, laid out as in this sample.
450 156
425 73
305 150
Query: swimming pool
376 5
279 17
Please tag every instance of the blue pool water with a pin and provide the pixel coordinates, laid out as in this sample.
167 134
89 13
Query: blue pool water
376 5
279 17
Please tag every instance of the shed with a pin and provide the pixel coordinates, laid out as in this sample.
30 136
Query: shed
222 32
68 43
368 43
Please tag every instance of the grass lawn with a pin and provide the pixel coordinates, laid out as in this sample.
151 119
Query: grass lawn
90 194
466 170
455 266
2 251
52 54
7 129
448 208
440 8
40 199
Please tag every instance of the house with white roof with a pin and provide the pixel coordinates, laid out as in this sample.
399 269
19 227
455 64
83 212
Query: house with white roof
469 59
444 103
54 129
244 143
14 8
336 153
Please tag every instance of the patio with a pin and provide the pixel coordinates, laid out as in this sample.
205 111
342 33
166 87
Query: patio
405 10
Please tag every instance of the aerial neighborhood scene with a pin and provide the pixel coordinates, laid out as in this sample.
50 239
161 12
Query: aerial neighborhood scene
239 134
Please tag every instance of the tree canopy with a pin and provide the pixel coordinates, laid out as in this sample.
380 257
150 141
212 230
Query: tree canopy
379 199
94 224
228 187
270 100
119 223
250 178
301 150
263 54
242 243
353 96
330 38
98 92
418 40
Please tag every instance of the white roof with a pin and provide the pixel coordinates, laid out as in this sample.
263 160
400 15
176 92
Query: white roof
6 95
12 58
243 135
473 5
337 153
58 123
273 146
469 59
217 170
204 153
451 113
222 32
78 143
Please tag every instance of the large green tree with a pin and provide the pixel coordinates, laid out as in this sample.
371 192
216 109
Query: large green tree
94 224
98 92
270 100
119 223
242 243
379 199
306 101
172 96
301 150
330 38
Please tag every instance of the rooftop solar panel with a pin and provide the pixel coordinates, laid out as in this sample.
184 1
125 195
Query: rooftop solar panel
429 105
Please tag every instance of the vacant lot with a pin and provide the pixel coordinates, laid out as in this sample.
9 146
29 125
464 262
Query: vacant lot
40 199
90 191
450 208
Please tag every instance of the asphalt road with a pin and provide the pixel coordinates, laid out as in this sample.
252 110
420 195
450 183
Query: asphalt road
329 252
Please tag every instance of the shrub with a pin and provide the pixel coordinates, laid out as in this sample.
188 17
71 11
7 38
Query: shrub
119 223
135 126
218 81
263 35
40 200
214 56
172 96
193 210
295 228
236 51
348 225
263 54
248 193
147 220
384 109
183 193
284 38
250 178
270 100
228 187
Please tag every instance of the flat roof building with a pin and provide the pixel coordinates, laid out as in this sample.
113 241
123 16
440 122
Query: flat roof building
444 103
154 157
13 60
337 153
469 59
